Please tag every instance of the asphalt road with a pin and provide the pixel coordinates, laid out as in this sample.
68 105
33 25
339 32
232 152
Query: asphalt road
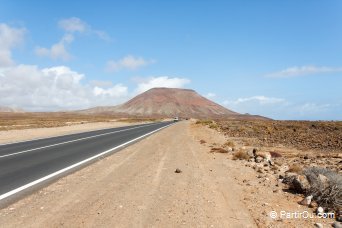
26 164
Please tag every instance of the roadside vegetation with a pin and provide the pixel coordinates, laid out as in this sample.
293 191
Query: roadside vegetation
10 121
306 156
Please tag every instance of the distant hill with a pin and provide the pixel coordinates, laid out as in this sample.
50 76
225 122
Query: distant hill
170 102
10 109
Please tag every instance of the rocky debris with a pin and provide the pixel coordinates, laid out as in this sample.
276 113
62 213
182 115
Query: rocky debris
265 155
274 168
318 225
298 183
218 150
251 153
306 201
230 149
337 225
202 141
178 171
325 135
258 159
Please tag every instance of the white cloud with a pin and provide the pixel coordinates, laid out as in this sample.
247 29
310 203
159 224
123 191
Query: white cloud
163 81
279 108
210 95
262 100
303 70
116 91
58 50
73 24
9 38
55 88
128 62
311 107
70 26
261 105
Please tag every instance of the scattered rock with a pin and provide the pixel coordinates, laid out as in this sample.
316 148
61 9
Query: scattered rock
306 201
230 149
250 153
318 225
202 141
258 159
218 150
178 171
260 170
299 183
264 155
337 225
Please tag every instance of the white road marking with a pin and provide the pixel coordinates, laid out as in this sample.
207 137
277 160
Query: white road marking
36 139
14 191
75 140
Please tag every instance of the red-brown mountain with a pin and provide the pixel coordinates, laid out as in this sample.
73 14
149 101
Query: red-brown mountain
170 102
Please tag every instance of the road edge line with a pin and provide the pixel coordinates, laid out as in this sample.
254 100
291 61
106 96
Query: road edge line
42 179
71 141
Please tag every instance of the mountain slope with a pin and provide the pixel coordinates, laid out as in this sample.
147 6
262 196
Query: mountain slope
172 102
167 102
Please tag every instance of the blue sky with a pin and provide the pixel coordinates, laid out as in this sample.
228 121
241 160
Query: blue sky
281 59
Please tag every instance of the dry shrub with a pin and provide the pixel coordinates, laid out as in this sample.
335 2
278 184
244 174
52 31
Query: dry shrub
327 194
204 122
240 155
278 162
274 168
229 144
218 150
247 143
275 154
213 126
295 168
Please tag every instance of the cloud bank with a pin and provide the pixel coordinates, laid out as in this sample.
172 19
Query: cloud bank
128 62
274 107
163 81
55 88
303 70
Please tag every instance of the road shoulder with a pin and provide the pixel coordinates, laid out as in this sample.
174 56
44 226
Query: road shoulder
138 187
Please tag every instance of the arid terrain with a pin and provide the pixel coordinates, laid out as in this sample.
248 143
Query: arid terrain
214 186
304 156
29 120
229 172
304 135
138 187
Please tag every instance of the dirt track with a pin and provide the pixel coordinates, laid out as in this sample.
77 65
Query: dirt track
137 187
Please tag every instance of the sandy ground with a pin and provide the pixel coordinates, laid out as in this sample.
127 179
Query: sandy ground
262 193
138 187
27 134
